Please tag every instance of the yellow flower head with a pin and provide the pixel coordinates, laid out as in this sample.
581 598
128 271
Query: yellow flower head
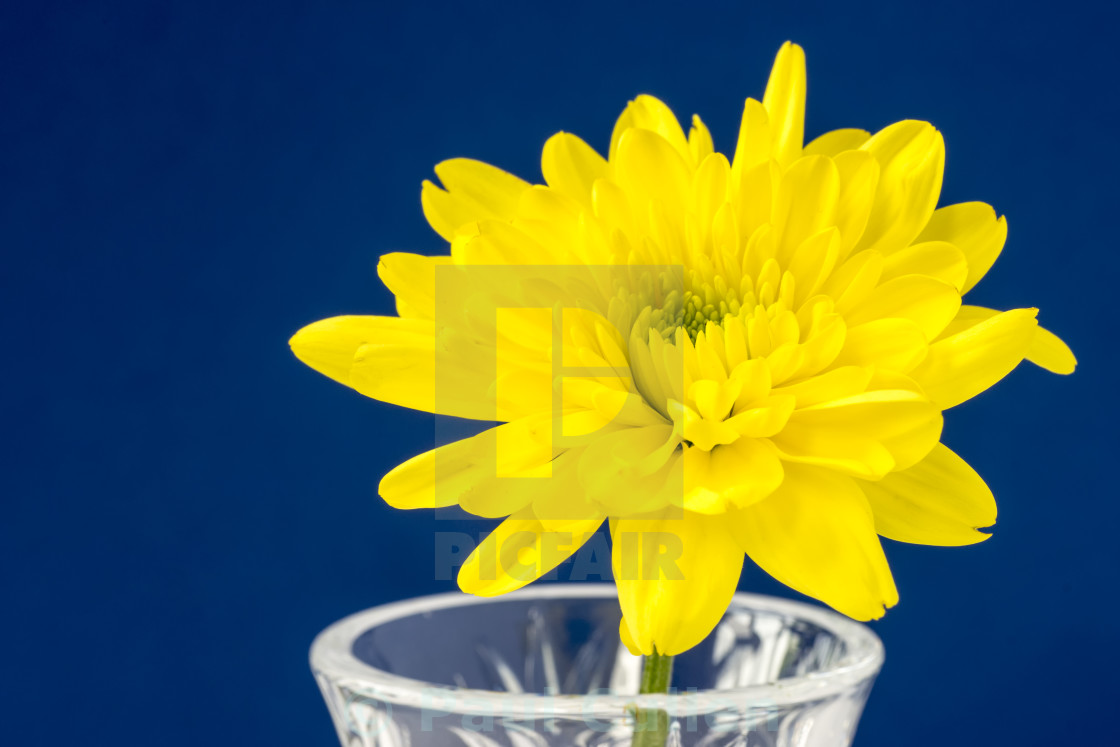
719 356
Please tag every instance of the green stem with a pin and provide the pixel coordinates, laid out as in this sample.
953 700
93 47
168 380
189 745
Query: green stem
657 670
651 726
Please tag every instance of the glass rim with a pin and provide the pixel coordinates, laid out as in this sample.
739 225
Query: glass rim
332 655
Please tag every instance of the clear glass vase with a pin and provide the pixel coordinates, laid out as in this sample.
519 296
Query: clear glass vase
544 666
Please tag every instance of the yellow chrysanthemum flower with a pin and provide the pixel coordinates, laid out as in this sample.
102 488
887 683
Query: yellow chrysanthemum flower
753 357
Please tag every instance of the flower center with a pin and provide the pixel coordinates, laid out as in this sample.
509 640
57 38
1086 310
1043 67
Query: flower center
707 304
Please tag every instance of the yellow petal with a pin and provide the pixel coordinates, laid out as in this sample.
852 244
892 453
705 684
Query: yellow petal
908 446
710 185
420 483
961 366
473 191
650 378
649 113
937 259
633 468
785 102
853 281
973 228
405 374
805 203
524 472
329 345
754 193
928 302
520 551
612 206
394 360
442 476
859 457
675 576
816 534
819 351
763 421
754 382
859 178
835 384
651 171
412 279
864 435
443 212
714 398
496 498
753 145
912 159
621 407
812 262
498 242
836 142
706 434
561 499
939 501
896 344
627 639
1047 350
740 473
699 141
571 166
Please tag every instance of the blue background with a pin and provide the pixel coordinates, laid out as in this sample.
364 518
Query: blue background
185 505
